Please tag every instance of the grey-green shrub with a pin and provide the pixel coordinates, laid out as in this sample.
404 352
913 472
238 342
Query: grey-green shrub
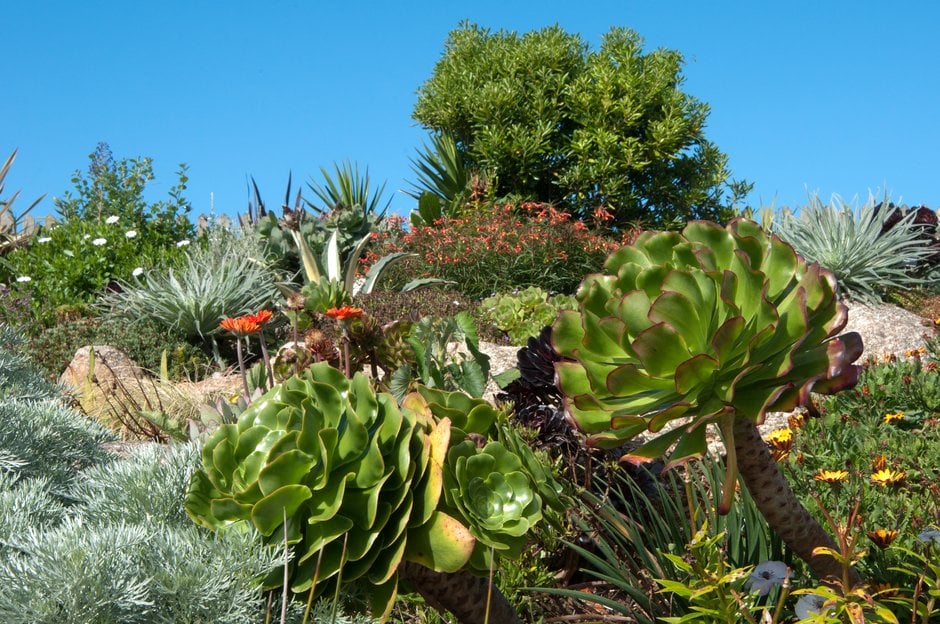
128 573
25 503
50 440
149 486
849 242
19 377
225 276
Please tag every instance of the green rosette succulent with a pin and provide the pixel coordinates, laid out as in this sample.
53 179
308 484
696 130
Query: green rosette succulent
356 479
687 329
494 495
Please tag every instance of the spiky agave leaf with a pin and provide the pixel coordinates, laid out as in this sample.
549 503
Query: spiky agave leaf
696 328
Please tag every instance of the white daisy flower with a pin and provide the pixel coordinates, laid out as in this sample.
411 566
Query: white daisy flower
137 272
98 242
24 278
182 243
43 239
131 233
112 219
86 236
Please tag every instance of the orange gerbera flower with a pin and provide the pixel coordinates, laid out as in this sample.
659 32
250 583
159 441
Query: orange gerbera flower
883 537
240 326
887 477
831 476
261 317
345 312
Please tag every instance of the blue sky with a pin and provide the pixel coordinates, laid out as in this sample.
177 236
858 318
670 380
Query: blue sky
834 97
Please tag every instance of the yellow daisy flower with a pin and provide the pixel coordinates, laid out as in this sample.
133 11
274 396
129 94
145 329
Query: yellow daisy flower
887 477
893 417
831 476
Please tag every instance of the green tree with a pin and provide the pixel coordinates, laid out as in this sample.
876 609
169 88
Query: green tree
542 116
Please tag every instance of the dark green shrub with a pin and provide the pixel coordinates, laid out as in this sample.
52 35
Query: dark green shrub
544 117
143 341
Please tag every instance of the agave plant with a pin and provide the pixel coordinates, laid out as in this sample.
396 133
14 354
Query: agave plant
711 326
348 480
867 249
10 236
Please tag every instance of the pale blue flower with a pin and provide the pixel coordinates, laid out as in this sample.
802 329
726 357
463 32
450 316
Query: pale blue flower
809 605
766 576
930 535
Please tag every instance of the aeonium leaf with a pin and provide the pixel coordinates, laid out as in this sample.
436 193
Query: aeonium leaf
268 513
442 543
287 469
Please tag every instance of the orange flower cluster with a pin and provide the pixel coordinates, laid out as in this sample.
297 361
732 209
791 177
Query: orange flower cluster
247 324
345 312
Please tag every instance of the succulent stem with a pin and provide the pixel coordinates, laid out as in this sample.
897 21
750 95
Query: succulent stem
461 593
783 511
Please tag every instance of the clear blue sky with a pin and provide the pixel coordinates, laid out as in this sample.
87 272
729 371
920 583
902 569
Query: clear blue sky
834 97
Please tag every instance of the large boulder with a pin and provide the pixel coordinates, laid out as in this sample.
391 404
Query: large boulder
112 368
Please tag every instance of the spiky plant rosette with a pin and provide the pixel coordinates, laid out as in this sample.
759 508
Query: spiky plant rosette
704 326
357 480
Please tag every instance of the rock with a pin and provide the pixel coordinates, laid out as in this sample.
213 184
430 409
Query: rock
112 367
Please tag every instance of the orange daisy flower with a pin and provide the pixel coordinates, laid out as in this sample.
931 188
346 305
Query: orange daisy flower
883 537
879 463
262 317
345 312
240 326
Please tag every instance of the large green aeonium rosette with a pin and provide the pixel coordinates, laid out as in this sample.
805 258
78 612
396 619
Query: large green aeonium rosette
358 480
697 328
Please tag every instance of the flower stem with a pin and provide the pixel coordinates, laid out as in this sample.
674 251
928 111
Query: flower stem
241 366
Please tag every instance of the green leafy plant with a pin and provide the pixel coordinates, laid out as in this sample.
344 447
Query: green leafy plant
144 340
106 232
550 120
711 326
443 185
852 243
372 500
438 363
523 314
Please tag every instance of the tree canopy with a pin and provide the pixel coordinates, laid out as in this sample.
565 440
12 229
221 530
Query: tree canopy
544 117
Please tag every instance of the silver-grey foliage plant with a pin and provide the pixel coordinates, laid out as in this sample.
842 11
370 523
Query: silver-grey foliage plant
849 241
227 276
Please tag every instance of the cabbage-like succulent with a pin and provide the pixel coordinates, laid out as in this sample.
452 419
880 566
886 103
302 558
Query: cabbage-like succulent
493 494
357 480
693 327
713 325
